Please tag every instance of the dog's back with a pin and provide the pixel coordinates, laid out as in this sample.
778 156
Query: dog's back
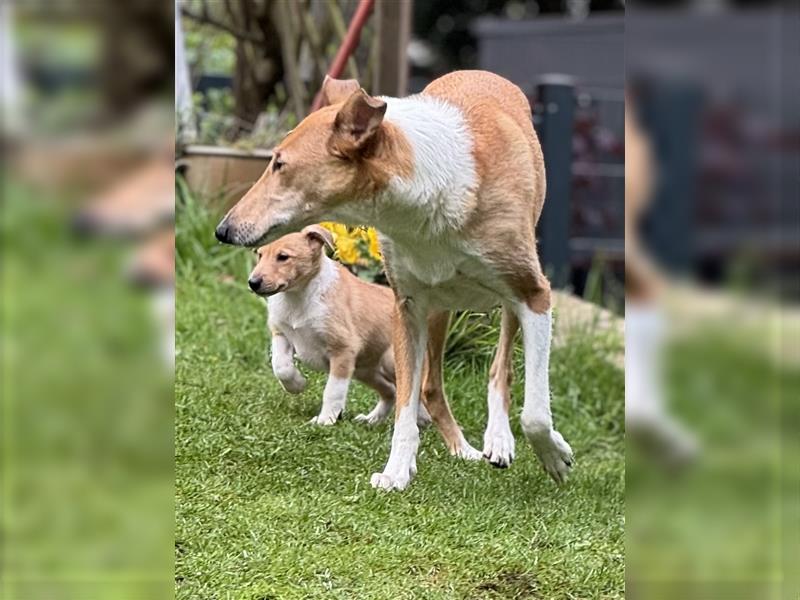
483 96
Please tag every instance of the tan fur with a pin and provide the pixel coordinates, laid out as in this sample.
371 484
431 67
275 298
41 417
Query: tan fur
433 387
501 372
356 336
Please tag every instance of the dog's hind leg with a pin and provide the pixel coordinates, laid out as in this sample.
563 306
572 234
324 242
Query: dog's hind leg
535 316
498 441
433 390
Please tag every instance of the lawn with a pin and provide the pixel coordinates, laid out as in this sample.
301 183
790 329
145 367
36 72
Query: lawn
270 507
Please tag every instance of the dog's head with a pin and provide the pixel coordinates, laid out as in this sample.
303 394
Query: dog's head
290 262
335 155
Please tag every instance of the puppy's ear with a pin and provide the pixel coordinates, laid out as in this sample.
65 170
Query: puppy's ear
318 234
356 124
337 90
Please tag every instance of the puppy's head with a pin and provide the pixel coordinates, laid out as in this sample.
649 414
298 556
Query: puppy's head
290 262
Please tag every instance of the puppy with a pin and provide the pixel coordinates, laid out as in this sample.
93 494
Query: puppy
329 318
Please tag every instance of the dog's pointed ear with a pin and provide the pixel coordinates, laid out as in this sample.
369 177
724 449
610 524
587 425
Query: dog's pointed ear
318 234
335 91
356 124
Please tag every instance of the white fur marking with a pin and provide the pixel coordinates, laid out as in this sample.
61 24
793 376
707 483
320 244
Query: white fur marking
283 365
537 421
333 400
498 441
444 180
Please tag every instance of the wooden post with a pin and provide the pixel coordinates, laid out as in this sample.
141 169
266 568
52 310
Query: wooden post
555 123
394 33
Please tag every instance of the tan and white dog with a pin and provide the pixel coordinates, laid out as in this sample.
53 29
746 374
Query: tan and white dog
330 319
453 179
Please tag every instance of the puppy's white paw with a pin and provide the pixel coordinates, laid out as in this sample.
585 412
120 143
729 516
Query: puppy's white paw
465 451
325 419
554 453
377 414
294 384
498 445
371 418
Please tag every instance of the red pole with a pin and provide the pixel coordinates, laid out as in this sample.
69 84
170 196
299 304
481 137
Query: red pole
349 44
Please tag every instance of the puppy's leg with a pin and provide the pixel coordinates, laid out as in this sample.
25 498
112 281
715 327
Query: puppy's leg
283 364
535 317
498 441
433 390
386 391
409 336
335 395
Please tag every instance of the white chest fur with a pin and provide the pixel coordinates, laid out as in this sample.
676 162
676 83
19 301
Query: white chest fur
302 316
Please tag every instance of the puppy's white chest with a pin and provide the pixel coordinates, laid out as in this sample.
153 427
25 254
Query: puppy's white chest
309 347
303 325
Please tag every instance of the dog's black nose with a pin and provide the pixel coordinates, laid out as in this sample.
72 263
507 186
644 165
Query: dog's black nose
223 232
254 283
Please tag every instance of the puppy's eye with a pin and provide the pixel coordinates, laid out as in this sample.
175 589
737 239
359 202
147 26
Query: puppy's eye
282 257
277 164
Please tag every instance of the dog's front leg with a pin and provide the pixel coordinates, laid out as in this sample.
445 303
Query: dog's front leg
537 421
283 364
335 395
409 338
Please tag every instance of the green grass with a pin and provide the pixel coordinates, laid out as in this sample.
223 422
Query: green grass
270 507
86 414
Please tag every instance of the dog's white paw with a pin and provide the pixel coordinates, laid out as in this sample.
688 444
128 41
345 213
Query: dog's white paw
498 445
466 451
394 479
554 453
397 473
294 384
325 419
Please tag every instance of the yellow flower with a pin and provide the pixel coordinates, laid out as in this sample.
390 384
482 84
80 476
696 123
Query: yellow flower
337 229
374 246
347 249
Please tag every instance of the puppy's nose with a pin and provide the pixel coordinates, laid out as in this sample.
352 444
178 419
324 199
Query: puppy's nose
222 233
254 283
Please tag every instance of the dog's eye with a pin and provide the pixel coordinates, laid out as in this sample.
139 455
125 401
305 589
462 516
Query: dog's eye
277 164
282 257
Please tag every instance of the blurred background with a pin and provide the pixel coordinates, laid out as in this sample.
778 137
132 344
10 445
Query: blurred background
87 273
712 319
